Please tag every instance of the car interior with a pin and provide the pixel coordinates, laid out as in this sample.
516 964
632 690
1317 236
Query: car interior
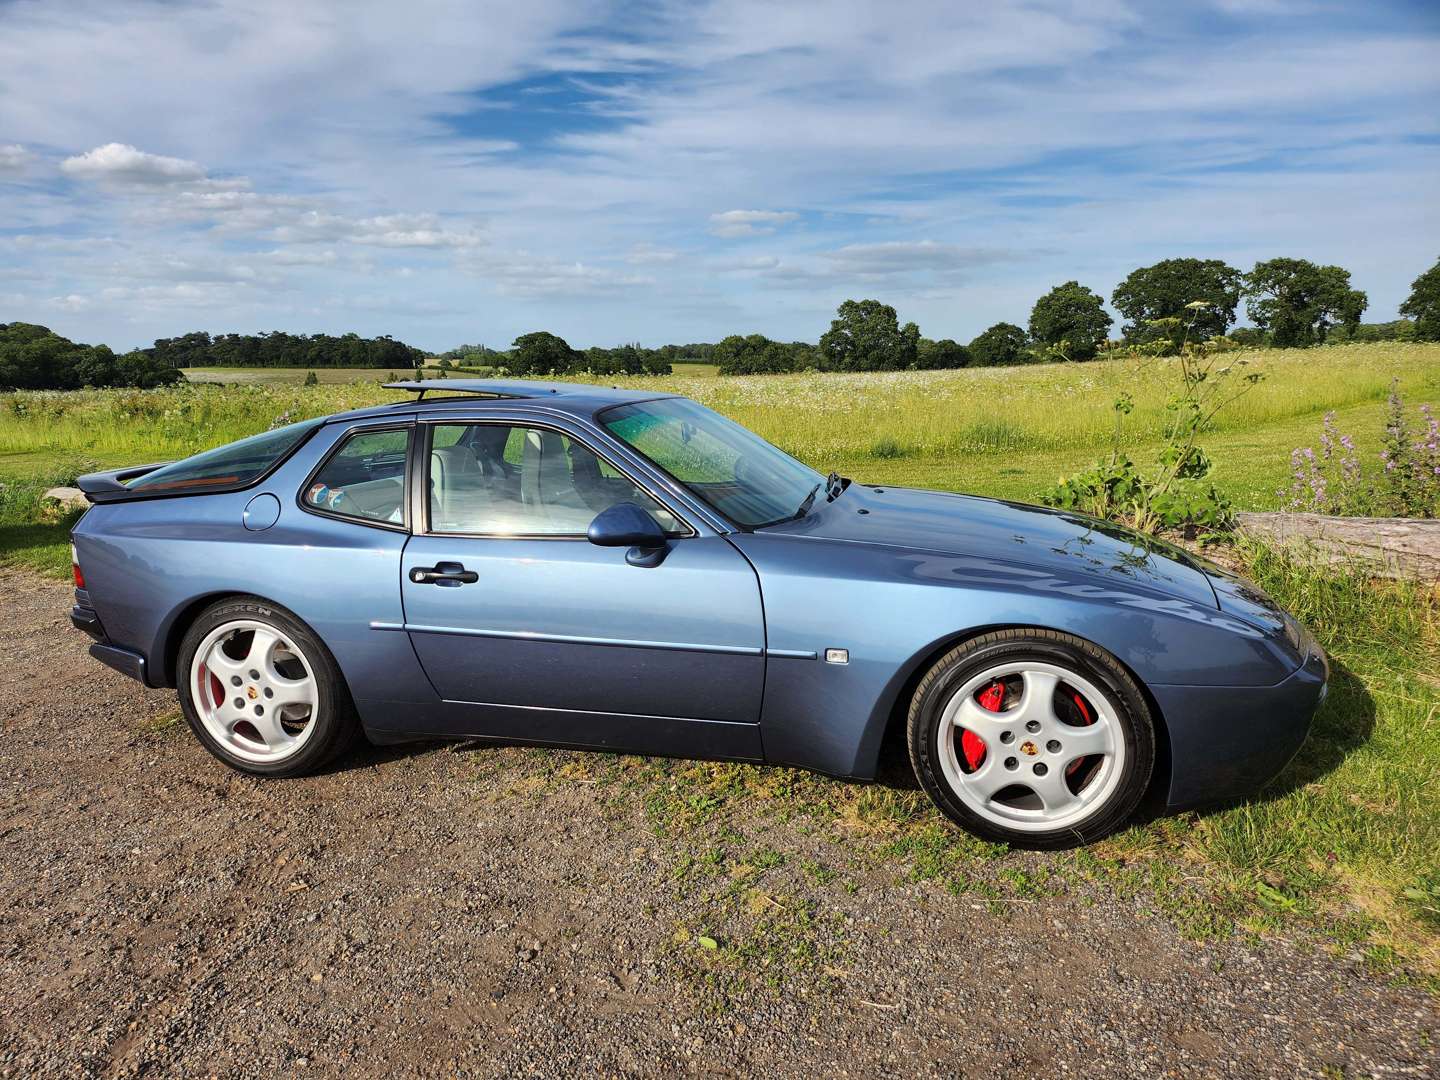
489 479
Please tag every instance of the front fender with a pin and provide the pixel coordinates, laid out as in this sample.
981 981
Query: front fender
892 609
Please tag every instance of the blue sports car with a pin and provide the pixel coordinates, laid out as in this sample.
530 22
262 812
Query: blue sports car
571 565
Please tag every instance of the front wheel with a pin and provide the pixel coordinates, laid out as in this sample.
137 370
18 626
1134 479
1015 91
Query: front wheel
1032 737
261 692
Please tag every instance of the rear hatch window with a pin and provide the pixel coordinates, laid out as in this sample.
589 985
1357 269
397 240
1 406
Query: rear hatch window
227 467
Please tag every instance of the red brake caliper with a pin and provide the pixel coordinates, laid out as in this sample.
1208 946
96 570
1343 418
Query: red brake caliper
971 745
1085 719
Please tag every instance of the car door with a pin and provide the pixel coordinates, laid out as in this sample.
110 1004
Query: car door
529 631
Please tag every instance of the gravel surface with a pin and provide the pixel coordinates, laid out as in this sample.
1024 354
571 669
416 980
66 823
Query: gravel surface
497 911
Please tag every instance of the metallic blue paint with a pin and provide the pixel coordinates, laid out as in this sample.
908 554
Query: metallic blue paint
714 651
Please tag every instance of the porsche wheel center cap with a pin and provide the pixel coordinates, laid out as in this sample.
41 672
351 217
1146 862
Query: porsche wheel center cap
1029 748
252 694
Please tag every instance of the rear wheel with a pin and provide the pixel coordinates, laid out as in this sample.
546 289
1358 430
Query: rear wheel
1035 738
261 692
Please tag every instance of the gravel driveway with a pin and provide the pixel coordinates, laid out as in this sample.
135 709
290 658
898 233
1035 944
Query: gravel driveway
501 911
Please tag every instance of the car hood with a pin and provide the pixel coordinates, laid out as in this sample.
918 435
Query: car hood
1054 540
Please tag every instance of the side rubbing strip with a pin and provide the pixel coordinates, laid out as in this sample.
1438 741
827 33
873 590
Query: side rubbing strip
571 639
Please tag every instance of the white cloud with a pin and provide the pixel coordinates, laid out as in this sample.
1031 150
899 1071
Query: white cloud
14 158
909 257
733 223
649 254
522 274
300 257
120 163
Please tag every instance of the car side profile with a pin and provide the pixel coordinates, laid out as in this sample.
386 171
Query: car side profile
625 570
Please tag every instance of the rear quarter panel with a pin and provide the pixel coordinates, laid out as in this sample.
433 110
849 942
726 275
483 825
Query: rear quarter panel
150 563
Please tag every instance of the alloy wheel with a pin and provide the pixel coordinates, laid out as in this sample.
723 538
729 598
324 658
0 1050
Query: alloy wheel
254 691
1031 746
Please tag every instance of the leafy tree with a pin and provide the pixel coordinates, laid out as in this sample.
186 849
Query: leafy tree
542 353
1423 304
1297 302
866 335
36 358
1070 321
934 355
280 349
1162 291
625 360
1250 337
1000 346
755 354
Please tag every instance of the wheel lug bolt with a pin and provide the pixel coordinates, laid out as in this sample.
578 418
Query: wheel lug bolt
1011 763
1032 726
254 674
1053 746
1041 769
271 693
1007 736
234 680
260 711
239 702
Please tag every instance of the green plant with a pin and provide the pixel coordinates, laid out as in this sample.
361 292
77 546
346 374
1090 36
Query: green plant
1332 481
1176 492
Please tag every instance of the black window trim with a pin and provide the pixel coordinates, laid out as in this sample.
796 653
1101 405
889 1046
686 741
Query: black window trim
735 526
362 428
420 475
129 494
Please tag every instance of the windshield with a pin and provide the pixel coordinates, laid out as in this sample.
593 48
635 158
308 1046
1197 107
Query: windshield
733 470
228 466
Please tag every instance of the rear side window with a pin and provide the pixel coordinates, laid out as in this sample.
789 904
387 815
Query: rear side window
227 467
364 478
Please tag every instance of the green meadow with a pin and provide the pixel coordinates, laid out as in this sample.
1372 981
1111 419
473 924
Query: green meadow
1343 848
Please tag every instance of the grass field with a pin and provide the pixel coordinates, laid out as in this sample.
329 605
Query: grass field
1345 844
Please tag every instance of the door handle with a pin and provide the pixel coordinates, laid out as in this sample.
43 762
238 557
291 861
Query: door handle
445 573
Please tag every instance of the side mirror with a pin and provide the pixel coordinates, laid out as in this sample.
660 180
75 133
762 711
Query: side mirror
626 525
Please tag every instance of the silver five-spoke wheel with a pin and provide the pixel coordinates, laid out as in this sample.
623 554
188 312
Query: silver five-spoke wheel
254 691
1030 746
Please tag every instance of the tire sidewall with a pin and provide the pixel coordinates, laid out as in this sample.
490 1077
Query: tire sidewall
331 697
1123 696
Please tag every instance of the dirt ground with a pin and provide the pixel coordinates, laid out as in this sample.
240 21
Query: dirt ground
491 911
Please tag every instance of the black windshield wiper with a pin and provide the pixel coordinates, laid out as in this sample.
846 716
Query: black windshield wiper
835 486
806 503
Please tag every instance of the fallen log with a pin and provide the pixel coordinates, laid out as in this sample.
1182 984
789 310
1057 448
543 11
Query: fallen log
1391 547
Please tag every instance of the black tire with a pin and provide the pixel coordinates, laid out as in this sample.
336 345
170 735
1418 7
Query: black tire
1049 647
336 724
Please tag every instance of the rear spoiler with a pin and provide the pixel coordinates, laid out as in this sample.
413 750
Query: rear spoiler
103 487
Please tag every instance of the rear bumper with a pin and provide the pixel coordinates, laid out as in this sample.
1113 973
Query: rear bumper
84 618
122 660
1227 742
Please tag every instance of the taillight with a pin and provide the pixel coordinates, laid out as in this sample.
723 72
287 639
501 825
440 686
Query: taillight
75 568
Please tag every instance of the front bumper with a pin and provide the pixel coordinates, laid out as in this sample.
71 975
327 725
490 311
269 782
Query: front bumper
1228 742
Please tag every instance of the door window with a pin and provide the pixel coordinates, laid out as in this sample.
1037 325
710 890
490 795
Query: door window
512 480
364 478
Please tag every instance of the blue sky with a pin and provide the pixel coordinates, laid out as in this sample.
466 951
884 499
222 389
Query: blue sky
469 171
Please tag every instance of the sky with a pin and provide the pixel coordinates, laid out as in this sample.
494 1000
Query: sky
655 171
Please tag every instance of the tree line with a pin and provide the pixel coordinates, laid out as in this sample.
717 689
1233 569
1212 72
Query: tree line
1294 303
281 350
36 358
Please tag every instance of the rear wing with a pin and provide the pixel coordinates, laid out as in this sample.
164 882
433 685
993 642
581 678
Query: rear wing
103 487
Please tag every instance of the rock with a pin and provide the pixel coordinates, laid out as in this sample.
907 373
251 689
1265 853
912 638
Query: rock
60 501
1390 547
